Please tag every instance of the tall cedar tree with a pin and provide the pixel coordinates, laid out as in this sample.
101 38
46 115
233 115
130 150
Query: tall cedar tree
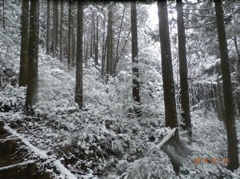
183 70
167 71
109 44
32 86
55 27
79 57
227 89
48 28
61 31
24 43
135 70
70 2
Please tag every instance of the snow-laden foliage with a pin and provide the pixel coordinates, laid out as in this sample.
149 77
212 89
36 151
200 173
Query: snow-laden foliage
101 141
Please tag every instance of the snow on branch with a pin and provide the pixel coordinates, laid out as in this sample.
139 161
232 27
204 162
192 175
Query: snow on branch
164 140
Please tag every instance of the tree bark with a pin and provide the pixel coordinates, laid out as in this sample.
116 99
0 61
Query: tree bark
79 57
167 71
69 33
48 28
96 42
32 87
187 125
227 89
109 43
24 44
61 32
135 70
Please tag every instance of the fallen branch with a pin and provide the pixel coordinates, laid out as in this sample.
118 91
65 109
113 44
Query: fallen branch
42 154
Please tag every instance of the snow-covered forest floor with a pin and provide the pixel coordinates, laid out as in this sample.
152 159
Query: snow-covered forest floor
101 141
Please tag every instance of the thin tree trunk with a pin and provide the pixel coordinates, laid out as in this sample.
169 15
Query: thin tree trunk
73 48
48 28
187 125
69 33
103 46
32 87
79 57
55 26
61 31
109 43
23 74
96 43
227 89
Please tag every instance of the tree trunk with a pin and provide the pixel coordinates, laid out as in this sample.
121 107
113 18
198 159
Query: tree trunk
24 44
96 42
109 43
183 70
227 90
32 87
167 71
135 70
103 46
79 58
61 32
73 49
48 28
55 27
69 32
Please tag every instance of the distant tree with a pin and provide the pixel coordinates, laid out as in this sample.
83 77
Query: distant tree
79 57
227 89
183 70
24 43
70 2
135 70
61 31
48 28
109 43
32 86
167 71
96 40
55 27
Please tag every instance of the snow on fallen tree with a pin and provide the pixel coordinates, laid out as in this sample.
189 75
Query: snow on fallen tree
42 154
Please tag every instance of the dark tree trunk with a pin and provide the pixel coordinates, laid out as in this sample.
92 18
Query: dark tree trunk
135 70
96 42
103 46
109 43
167 71
187 125
24 44
79 57
55 26
69 33
32 87
227 90
73 48
61 31
48 28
